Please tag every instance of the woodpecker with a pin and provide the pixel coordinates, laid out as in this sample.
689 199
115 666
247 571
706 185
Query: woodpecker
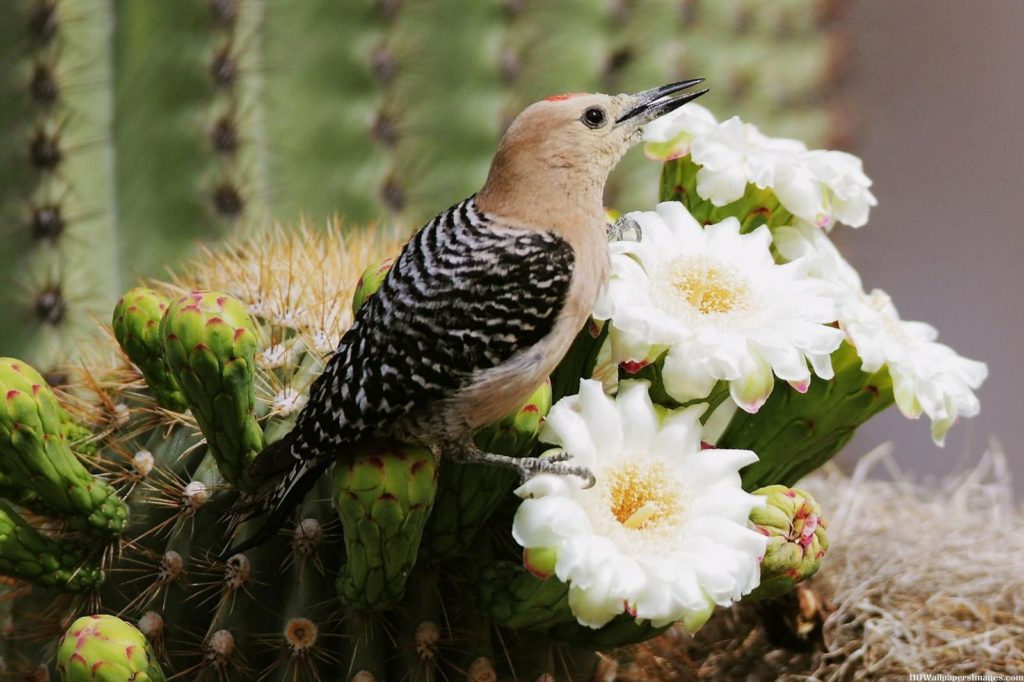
480 306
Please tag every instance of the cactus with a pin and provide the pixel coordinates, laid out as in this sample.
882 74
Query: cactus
131 130
383 497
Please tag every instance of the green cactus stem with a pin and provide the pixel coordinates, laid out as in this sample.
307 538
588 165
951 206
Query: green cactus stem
106 649
795 433
210 346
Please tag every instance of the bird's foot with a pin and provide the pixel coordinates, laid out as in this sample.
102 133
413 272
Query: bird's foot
528 467
625 229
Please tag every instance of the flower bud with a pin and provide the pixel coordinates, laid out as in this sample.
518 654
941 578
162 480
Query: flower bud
106 649
795 529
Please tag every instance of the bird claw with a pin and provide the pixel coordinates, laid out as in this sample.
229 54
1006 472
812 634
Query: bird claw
623 226
528 467
531 466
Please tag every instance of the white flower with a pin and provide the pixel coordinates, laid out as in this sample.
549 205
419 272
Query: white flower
663 535
821 187
803 241
720 305
927 377
669 137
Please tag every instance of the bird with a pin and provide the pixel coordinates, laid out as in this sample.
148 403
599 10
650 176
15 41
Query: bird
479 307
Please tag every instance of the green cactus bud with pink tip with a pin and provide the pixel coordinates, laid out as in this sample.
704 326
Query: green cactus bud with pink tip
136 325
103 648
796 539
34 456
383 497
370 281
210 344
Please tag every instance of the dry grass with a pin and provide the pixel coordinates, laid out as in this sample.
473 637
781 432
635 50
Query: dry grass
919 579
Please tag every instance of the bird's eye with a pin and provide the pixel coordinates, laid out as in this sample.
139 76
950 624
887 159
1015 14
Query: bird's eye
594 117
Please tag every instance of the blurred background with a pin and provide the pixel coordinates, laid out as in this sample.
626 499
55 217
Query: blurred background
133 131
937 95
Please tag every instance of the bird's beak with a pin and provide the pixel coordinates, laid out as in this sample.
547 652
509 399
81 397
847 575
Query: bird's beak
650 104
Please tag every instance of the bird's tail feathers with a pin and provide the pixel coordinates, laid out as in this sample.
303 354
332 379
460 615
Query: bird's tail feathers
280 502
276 458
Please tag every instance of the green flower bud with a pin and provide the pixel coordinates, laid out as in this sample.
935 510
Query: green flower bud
383 496
34 456
210 344
106 649
370 281
797 542
136 325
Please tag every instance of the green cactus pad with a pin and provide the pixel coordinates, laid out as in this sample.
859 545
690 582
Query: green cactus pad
797 541
517 599
210 344
106 649
136 327
795 433
34 455
27 554
383 496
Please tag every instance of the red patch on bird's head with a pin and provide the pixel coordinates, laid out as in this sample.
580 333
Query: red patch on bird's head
559 98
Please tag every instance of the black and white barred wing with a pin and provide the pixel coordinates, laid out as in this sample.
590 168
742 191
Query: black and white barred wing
465 295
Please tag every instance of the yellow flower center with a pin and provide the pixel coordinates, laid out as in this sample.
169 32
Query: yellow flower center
709 287
641 495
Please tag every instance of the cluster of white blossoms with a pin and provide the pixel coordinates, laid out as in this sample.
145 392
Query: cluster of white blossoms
819 186
664 535
928 377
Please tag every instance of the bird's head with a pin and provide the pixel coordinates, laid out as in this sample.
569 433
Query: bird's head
568 144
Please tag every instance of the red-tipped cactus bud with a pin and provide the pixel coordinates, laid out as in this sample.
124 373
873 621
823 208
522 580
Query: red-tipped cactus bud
370 281
796 539
106 649
383 496
210 344
136 325
34 455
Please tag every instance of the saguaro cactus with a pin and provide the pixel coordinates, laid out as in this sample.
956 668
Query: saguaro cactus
132 130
